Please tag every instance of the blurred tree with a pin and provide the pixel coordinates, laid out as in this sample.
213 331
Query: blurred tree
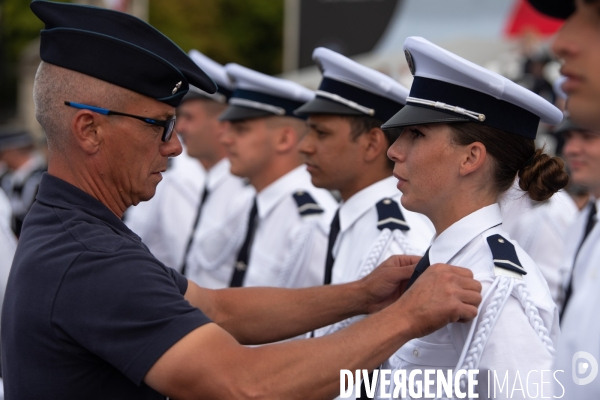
247 32
18 27
242 31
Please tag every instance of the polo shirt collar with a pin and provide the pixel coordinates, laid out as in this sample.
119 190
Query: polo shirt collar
56 192
461 233
361 202
270 196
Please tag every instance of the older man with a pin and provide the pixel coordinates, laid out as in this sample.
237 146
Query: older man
89 313
578 44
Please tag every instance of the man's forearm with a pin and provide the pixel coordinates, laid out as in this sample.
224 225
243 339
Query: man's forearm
263 315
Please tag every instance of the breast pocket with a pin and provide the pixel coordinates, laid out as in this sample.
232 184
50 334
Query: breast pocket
422 355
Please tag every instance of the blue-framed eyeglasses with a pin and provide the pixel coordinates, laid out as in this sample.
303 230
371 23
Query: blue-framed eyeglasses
168 125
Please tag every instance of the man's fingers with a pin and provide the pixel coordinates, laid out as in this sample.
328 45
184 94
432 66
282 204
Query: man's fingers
403 260
470 284
470 297
467 313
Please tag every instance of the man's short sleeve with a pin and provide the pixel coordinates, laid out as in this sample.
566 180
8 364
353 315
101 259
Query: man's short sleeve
126 308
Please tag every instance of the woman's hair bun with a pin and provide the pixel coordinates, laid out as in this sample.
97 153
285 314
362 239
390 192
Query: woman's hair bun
542 176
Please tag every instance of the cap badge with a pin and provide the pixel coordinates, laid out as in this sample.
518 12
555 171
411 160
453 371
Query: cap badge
176 87
409 61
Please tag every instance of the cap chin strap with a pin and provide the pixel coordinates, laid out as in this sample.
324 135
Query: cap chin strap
238 101
346 102
456 109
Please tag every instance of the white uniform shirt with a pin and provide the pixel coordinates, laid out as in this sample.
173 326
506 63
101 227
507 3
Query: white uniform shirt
165 222
289 249
8 243
361 245
221 229
541 230
513 345
569 265
581 322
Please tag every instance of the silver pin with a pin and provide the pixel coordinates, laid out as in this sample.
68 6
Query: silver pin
177 86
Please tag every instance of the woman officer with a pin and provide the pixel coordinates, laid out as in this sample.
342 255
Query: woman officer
467 133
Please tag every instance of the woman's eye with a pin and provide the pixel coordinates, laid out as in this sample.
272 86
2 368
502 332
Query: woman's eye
417 133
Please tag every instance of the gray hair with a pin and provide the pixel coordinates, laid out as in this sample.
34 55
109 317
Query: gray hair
54 85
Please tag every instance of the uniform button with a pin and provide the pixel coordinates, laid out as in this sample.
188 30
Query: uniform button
240 266
416 353
299 192
387 201
501 240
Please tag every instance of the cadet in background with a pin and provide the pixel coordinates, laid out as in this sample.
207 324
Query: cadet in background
218 229
25 167
287 227
346 150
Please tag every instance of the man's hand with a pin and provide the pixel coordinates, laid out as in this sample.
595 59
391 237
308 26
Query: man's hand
386 283
442 295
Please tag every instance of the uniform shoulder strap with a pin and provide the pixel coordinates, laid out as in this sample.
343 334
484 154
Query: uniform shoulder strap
390 216
306 204
504 254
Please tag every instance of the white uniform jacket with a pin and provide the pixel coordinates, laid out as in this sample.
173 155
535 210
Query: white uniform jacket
221 228
541 229
581 322
289 248
517 328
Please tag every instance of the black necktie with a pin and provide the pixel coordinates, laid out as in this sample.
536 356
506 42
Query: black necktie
422 265
189 243
241 264
588 228
334 231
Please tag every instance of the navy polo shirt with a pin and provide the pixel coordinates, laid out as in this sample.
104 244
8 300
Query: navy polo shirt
88 309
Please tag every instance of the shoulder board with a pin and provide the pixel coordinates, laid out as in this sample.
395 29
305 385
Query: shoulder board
504 254
389 216
306 204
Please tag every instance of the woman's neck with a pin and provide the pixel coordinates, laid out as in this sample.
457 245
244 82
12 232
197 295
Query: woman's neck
453 211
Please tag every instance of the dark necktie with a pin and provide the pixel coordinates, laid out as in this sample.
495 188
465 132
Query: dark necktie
422 265
588 228
334 231
241 264
196 221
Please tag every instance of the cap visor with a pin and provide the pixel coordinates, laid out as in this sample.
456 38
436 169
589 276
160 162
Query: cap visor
413 115
238 113
561 9
323 106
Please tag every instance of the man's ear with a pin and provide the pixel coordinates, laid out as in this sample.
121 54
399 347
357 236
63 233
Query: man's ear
286 139
375 144
85 127
474 157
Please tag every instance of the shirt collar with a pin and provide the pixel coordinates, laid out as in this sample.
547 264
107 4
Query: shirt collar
55 192
270 196
358 204
458 235
217 174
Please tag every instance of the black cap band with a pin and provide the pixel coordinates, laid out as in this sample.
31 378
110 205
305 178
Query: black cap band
383 107
499 114
286 104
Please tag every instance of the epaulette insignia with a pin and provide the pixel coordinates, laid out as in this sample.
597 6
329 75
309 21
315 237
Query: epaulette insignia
504 254
306 204
390 216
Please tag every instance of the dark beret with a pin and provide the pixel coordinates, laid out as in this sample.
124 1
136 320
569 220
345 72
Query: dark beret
117 48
